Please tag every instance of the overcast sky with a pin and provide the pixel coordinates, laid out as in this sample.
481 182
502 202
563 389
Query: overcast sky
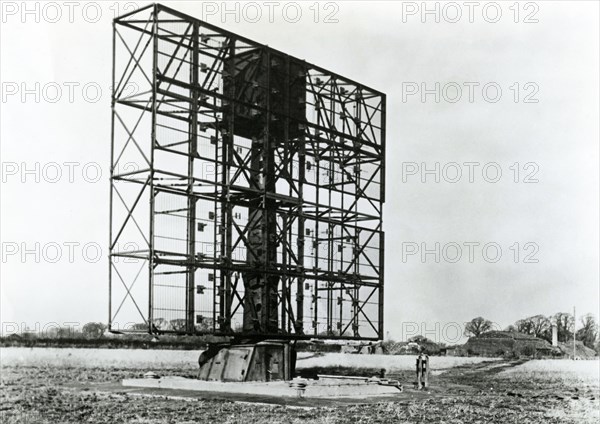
528 108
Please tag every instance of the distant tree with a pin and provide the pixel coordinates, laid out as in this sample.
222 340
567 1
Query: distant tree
419 339
523 326
178 325
426 345
205 325
565 323
477 326
159 324
93 330
511 329
67 332
537 326
527 350
588 333
50 331
332 333
140 326
541 327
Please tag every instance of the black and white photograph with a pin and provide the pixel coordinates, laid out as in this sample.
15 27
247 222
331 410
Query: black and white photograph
300 212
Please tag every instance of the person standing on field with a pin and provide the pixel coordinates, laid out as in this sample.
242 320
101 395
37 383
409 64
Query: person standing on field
422 370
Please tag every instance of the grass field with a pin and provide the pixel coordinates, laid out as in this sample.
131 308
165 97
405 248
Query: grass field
562 369
66 387
393 362
184 359
100 358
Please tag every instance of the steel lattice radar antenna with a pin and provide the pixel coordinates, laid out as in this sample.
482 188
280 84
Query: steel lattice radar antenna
247 189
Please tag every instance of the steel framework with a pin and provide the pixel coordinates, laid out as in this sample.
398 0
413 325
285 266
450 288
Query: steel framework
247 187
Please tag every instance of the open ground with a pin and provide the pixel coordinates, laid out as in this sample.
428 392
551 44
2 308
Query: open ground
82 385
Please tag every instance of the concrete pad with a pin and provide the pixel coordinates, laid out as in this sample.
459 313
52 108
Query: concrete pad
325 388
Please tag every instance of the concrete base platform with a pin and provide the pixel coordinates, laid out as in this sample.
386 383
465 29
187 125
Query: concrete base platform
325 387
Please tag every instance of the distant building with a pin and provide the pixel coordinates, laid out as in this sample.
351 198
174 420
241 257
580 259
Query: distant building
502 343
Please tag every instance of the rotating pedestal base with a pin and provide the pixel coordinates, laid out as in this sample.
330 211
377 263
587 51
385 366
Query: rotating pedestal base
262 361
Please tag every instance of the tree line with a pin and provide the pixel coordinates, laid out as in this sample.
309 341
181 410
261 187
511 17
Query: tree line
541 326
97 330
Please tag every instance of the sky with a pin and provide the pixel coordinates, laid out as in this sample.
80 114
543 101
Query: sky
492 151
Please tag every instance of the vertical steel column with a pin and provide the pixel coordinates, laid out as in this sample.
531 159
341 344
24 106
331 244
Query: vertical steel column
340 250
358 190
286 233
381 202
301 152
151 258
224 216
269 217
260 302
299 325
285 314
112 161
330 227
191 199
228 142
317 215
216 250
343 228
